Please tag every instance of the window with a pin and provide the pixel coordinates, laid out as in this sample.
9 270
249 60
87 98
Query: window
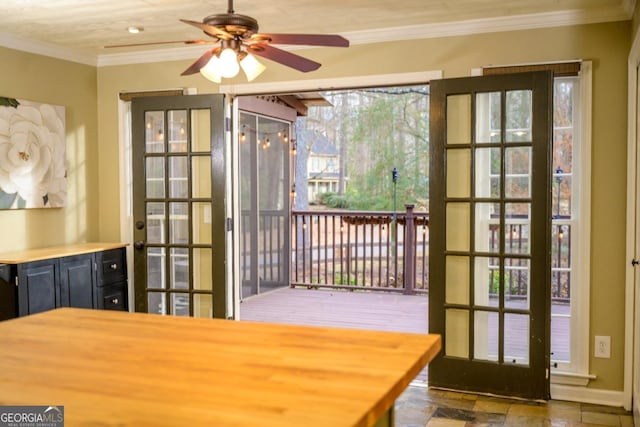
571 170
570 225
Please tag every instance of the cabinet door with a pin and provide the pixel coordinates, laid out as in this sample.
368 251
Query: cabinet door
77 279
37 287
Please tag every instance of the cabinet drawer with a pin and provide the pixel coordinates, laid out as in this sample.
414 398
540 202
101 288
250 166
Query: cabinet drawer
112 266
114 297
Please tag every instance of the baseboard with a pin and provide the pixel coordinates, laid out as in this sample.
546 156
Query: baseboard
587 395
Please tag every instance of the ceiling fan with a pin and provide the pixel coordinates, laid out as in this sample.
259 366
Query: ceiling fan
237 39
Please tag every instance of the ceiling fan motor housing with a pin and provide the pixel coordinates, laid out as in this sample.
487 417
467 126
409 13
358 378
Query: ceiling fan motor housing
238 25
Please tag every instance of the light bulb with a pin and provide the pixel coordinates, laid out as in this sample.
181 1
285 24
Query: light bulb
251 67
228 63
212 70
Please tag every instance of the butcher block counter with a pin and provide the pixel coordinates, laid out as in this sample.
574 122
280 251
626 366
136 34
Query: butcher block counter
29 255
114 368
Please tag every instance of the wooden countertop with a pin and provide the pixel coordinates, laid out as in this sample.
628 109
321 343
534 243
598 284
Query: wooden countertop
131 369
29 255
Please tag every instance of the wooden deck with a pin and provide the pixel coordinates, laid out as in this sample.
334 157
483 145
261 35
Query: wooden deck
386 312
360 310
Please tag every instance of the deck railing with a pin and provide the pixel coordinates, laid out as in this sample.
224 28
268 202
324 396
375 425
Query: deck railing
361 250
370 251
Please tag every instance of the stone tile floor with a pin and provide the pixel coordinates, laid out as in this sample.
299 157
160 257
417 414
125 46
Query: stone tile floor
419 406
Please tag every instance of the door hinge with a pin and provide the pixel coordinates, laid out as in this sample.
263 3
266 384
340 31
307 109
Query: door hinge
229 224
546 374
227 124
95 266
16 281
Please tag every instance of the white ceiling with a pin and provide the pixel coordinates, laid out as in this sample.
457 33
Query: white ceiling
78 30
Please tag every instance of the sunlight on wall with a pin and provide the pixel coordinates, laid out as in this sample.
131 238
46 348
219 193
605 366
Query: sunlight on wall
73 86
76 210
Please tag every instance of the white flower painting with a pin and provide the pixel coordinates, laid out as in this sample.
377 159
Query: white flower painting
33 171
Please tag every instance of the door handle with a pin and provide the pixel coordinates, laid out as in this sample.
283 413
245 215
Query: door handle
139 244
634 262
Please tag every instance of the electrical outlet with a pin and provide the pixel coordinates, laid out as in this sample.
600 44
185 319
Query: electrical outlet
602 347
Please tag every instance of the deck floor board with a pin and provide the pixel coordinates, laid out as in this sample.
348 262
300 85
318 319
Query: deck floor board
392 312
361 310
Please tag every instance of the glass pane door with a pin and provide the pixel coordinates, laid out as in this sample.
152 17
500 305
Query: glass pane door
489 229
179 206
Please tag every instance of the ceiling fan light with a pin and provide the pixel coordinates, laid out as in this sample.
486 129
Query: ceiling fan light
251 67
228 63
212 70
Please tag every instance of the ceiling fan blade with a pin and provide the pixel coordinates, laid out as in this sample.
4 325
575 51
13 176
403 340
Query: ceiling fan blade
209 29
166 42
304 39
283 57
200 62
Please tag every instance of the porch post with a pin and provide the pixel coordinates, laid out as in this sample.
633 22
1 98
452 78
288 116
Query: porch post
409 250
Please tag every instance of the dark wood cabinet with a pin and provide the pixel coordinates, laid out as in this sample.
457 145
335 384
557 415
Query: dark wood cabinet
78 281
93 279
112 280
38 289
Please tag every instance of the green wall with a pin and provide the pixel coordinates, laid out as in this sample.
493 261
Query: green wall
43 79
91 98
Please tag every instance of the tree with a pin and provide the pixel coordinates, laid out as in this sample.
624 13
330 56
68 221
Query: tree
390 130
374 130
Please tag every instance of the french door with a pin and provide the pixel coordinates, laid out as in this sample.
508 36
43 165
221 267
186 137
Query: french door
490 222
179 205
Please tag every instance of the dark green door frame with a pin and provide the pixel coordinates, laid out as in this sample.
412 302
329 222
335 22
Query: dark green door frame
215 244
458 366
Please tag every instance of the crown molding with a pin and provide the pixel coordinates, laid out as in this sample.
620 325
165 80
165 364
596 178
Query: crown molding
413 32
46 49
489 25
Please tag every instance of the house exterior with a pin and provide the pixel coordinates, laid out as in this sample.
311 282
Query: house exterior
95 209
322 167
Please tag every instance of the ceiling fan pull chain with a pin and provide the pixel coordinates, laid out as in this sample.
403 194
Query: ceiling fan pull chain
230 9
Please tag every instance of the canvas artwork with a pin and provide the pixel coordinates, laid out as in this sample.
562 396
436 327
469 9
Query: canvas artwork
33 172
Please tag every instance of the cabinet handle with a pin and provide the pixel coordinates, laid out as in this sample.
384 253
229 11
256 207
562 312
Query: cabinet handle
114 266
114 301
